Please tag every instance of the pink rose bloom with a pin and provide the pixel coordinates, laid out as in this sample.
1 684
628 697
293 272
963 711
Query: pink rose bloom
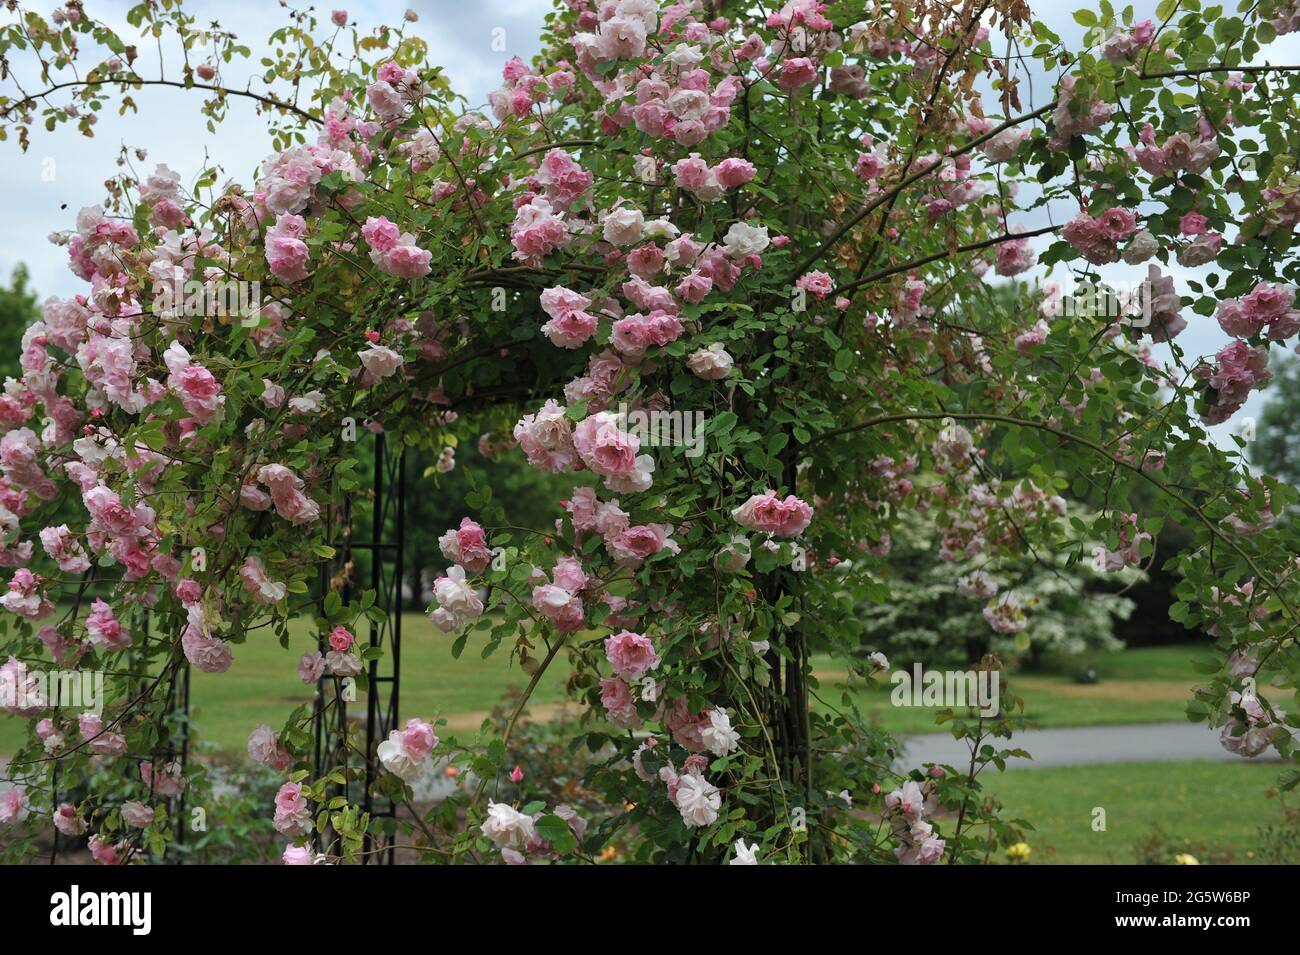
286 493
558 300
339 18
404 261
264 747
569 574
65 549
536 232
386 101
467 546
67 821
605 446
634 545
258 584
340 639
286 253
570 330
560 606
13 803
207 653
734 172
631 654
646 260
582 506
289 798
796 73
694 288
870 165
165 782
1090 239
106 854
1015 257
418 738
620 707
137 815
818 283
1117 224
634 334
1193 223
563 179
25 598
310 667
254 498
767 513
103 629
621 38
297 855
292 813
546 438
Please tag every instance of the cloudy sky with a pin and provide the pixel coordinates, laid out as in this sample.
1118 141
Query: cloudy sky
64 171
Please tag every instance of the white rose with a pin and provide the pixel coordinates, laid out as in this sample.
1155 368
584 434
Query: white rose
396 759
1141 247
688 104
342 663
745 855
685 57
647 11
508 828
137 815
734 555
380 361
623 226
661 229
456 595
698 800
743 239
719 736
712 363
646 168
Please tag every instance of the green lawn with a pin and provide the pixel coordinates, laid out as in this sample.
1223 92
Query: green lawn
262 685
1213 811
1145 685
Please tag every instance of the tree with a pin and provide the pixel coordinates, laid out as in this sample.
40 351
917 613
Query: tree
18 309
935 612
735 298
1276 446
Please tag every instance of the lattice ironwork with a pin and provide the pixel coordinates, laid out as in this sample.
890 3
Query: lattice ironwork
368 537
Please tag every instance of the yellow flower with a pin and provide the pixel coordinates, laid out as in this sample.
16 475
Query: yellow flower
1019 852
1184 858
608 854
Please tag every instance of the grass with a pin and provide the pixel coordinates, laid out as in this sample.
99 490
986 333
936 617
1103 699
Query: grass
1213 811
262 684
1136 686
1144 685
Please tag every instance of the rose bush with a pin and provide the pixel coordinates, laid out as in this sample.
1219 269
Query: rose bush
787 222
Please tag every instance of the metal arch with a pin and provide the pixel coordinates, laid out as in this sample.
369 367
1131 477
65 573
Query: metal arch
386 550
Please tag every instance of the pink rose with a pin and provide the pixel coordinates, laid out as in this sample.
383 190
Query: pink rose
631 654
767 513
